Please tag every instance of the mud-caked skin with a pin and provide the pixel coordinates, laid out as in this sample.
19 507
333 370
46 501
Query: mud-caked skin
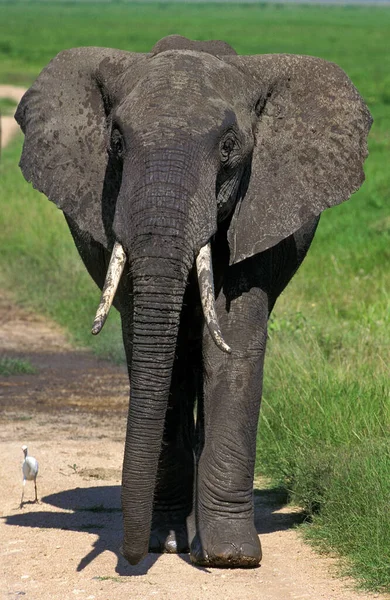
164 153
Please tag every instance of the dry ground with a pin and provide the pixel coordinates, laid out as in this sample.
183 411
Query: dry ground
8 124
72 415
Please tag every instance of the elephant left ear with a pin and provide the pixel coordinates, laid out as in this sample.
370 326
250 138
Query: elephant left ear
65 118
310 131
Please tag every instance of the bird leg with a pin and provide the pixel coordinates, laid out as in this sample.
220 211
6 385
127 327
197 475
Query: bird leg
21 502
36 493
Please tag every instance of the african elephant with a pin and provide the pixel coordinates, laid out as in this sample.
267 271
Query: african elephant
192 180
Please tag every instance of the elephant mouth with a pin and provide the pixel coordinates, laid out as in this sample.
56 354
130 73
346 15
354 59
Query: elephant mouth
204 270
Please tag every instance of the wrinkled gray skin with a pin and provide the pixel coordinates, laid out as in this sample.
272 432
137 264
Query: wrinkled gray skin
165 152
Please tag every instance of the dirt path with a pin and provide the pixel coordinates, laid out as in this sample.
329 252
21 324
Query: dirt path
72 415
9 127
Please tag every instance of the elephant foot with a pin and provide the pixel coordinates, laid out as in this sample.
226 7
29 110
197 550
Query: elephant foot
232 545
169 534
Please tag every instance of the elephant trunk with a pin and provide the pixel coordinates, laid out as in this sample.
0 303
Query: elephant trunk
167 205
169 222
158 288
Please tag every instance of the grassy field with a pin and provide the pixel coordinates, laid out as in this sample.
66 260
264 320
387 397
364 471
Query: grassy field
325 424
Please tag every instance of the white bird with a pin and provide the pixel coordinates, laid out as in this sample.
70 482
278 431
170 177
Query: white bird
30 472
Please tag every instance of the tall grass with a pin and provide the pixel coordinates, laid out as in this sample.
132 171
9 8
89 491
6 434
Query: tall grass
324 434
325 424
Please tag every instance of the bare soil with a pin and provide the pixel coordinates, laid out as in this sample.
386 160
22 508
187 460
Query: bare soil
72 416
8 124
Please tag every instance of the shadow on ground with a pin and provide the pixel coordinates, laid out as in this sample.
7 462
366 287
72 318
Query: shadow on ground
97 511
269 516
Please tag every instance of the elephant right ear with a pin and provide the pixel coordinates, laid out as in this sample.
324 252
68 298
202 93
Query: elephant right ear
310 133
65 117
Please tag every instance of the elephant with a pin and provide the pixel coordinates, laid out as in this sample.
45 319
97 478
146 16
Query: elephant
192 180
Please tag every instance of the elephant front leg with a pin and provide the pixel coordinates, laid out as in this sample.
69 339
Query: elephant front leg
174 488
173 497
226 535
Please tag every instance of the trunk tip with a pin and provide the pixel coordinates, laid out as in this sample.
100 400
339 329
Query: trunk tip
131 556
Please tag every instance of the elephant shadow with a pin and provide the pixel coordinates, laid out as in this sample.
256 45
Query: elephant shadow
97 511
272 512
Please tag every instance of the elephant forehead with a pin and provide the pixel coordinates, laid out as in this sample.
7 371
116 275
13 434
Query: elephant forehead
162 113
179 81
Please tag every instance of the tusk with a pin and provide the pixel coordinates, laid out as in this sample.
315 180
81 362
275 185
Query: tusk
204 269
114 272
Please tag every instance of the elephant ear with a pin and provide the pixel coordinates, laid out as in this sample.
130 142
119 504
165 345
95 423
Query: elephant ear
65 119
310 146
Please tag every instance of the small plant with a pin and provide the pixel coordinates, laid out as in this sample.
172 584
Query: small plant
15 366
110 578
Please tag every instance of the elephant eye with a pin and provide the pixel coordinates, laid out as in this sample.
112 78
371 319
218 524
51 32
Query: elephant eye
117 143
227 147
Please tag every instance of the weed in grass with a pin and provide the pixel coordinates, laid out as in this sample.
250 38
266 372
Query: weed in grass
15 366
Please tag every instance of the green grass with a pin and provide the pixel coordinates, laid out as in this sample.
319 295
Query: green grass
355 516
7 106
31 33
15 366
325 423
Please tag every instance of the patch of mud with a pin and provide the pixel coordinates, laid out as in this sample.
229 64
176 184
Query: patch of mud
65 378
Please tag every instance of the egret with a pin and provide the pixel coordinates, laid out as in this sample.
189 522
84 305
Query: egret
30 472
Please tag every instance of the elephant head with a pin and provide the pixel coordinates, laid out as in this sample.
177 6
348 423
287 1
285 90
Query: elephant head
149 155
